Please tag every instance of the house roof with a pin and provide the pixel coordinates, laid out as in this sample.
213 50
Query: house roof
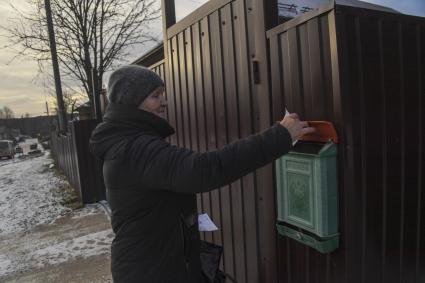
365 5
152 56
294 8
83 106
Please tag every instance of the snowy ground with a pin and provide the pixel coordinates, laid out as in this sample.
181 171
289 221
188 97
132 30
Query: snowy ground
30 195
43 240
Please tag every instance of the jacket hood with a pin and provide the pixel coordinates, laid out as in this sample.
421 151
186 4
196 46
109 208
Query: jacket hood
123 124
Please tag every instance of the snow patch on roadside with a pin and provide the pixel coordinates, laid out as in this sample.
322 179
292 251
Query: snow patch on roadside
81 247
84 246
30 194
88 209
5 265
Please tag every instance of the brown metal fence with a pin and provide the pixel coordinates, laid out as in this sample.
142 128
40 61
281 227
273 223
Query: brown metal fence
360 69
159 69
364 71
211 103
83 170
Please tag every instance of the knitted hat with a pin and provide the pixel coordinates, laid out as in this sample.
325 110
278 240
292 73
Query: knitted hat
132 84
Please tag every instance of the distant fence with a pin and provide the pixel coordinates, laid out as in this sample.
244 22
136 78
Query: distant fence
84 171
32 126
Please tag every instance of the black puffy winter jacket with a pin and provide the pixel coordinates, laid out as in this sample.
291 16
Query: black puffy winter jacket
151 186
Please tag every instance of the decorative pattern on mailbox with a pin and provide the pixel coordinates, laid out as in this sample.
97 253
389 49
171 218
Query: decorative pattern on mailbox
307 190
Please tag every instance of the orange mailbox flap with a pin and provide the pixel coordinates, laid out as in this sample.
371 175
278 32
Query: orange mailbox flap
325 131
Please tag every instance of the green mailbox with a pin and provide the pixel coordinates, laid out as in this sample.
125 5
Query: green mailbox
307 198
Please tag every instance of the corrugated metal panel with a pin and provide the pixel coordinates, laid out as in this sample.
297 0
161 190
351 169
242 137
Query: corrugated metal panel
383 81
159 69
210 94
367 78
301 74
83 170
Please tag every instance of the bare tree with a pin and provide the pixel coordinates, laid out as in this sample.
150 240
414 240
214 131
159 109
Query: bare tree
90 34
71 99
6 113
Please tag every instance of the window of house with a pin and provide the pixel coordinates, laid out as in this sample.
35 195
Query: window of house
185 7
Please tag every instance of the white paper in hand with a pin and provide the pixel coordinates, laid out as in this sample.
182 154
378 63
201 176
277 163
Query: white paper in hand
205 223
287 113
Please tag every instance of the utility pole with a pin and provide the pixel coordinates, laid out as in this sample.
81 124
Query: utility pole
56 73
47 109
96 96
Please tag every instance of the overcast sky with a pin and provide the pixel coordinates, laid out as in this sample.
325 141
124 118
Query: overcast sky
22 91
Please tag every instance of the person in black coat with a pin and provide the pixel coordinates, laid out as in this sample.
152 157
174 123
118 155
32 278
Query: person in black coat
151 184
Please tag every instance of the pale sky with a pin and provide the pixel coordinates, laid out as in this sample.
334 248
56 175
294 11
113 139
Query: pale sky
24 93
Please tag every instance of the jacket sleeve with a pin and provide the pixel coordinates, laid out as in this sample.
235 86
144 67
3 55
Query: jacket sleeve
163 166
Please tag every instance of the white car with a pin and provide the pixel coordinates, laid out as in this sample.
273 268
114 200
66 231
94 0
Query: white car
6 149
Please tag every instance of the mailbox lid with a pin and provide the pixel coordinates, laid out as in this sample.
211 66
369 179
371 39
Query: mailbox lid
325 131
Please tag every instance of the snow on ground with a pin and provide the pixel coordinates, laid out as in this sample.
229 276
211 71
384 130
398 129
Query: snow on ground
36 229
37 255
88 209
30 194
84 246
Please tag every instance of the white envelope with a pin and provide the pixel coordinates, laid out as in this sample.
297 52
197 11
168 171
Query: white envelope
287 113
205 223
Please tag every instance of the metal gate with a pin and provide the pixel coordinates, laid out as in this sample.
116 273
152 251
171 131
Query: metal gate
214 100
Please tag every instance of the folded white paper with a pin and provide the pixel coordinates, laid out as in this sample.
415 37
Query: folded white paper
205 223
287 113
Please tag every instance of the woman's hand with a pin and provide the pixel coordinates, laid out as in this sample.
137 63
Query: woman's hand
296 127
